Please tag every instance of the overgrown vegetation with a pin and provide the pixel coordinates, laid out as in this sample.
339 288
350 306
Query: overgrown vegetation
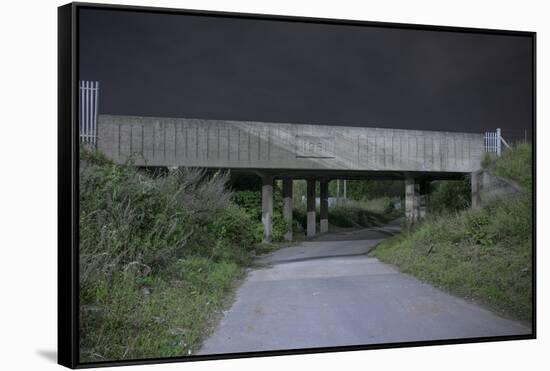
350 213
514 164
160 252
358 190
484 254
251 202
450 196
368 189
362 213
158 256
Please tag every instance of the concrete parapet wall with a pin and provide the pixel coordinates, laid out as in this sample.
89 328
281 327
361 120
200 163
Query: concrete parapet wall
151 141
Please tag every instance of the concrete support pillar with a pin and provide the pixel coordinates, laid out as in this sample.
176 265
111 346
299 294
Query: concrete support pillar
475 184
287 207
267 206
424 200
323 206
411 199
310 208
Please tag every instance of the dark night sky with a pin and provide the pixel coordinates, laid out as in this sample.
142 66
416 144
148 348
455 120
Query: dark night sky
221 68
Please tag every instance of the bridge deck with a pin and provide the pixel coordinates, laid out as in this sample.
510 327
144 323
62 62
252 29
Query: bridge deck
152 141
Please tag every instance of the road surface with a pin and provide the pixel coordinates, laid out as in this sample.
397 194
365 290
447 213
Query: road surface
328 292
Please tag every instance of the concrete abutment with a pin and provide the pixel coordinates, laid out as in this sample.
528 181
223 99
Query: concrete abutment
323 206
417 198
267 206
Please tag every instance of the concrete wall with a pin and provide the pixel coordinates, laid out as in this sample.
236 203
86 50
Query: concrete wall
234 144
487 187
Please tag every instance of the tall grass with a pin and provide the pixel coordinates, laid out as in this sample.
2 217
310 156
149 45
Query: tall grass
158 256
515 164
485 253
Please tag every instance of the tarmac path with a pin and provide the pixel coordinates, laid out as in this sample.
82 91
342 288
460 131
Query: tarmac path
329 292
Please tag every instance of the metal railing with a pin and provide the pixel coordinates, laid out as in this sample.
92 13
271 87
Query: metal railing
88 101
493 142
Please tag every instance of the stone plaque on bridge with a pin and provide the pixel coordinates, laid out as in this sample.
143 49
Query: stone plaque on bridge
308 146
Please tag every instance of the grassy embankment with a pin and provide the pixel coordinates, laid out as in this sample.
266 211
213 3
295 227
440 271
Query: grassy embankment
159 255
482 254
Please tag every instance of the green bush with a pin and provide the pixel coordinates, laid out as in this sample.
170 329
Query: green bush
158 253
450 195
251 201
238 227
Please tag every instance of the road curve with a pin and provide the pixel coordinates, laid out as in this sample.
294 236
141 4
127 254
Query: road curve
329 292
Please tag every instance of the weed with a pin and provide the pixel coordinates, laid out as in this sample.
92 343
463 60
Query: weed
159 252
483 254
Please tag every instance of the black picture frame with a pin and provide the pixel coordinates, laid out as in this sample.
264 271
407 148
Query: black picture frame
68 182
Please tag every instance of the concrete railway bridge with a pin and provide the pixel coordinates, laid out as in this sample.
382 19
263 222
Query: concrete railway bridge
316 153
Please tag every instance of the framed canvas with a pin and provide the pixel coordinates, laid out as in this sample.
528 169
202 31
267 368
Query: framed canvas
240 185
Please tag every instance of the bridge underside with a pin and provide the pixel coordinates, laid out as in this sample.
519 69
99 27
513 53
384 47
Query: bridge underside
350 174
417 192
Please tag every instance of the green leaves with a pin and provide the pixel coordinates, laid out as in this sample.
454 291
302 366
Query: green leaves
450 195
251 203
158 254
477 229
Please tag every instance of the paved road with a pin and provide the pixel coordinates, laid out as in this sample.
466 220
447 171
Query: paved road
328 292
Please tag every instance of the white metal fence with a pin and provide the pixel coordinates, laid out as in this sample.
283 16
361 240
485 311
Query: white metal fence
88 99
494 141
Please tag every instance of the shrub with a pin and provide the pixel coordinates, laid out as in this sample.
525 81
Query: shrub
251 202
450 195
238 226
158 252
127 216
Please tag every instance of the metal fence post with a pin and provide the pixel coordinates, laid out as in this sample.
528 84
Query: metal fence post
498 142
96 103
